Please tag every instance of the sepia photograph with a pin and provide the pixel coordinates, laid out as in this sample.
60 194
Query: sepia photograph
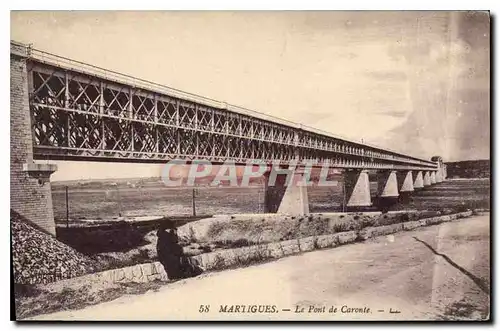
250 165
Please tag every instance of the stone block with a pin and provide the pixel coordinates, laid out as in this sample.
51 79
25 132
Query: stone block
153 268
202 260
346 237
153 277
274 250
105 276
290 247
119 275
371 232
163 276
307 244
325 241
366 233
159 267
127 274
147 270
423 222
136 271
230 258
411 225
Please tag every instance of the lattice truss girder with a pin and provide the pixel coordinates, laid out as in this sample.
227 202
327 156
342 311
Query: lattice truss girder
77 114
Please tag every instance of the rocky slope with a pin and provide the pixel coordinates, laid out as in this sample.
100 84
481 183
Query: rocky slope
38 257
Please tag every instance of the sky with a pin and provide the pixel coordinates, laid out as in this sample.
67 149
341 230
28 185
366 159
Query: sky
414 82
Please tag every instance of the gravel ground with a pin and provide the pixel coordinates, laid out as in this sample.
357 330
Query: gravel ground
38 257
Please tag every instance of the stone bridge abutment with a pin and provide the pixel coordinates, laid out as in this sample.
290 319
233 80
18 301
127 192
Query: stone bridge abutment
30 191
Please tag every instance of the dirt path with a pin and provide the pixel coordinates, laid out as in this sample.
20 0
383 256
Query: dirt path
435 272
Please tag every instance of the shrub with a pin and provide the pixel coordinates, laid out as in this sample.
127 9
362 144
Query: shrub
141 257
214 229
342 227
206 248
462 208
240 242
366 222
218 263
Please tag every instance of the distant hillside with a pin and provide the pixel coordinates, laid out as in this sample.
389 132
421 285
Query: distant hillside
139 182
97 183
469 169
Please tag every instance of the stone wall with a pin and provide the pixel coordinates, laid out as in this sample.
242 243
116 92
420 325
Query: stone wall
141 273
258 253
242 256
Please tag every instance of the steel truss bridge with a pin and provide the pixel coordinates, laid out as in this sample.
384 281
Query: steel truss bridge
81 112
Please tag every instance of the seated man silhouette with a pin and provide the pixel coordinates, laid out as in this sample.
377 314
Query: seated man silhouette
171 255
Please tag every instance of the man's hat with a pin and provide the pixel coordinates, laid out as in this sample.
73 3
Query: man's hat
167 224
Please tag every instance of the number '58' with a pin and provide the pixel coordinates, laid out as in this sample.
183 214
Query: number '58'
204 308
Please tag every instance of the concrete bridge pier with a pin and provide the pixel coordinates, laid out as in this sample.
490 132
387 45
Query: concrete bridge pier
433 177
419 180
439 176
405 181
427 178
387 191
356 188
286 195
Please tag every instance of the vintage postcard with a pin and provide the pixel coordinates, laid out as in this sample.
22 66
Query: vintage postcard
250 165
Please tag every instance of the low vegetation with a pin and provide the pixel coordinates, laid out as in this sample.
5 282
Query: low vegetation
257 230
